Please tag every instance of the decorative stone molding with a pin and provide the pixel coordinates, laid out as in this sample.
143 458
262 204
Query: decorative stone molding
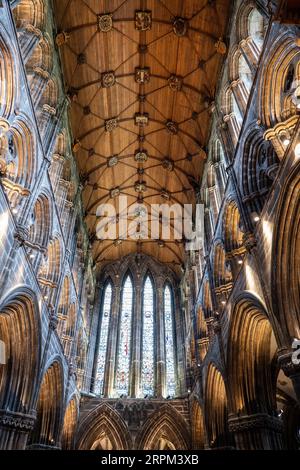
279 133
62 38
53 321
105 22
143 20
287 365
21 235
142 75
180 26
108 79
111 124
17 421
172 127
249 241
254 422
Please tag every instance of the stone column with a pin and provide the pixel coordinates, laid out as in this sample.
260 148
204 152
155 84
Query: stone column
291 369
112 352
256 432
15 429
160 345
136 343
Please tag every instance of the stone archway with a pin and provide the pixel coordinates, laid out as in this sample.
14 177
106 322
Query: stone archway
103 427
19 332
251 370
49 409
166 427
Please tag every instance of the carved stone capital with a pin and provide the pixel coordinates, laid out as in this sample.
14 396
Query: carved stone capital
285 361
249 241
254 422
53 321
17 421
21 235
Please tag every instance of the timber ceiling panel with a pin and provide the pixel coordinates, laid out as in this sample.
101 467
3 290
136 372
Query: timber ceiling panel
142 77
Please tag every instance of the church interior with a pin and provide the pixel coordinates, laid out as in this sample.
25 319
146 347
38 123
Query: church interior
135 342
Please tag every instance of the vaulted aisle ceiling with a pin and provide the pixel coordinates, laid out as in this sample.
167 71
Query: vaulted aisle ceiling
141 75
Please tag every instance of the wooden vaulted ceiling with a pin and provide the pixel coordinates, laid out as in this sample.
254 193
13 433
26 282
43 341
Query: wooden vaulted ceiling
141 75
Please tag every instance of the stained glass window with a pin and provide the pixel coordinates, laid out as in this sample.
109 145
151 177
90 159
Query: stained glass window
106 308
147 379
169 342
123 365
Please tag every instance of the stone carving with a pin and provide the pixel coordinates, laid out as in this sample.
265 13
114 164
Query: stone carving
165 194
114 192
175 82
221 47
249 241
111 124
141 156
112 161
168 164
76 146
108 79
180 26
62 38
17 421
260 420
172 127
142 74
141 120
143 20
140 187
105 23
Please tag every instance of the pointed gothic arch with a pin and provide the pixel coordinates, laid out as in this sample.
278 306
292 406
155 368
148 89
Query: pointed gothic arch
103 422
216 409
46 432
166 424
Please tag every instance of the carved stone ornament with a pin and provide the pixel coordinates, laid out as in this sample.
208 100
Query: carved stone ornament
141 119
17 421
221 47
168 164
180 26
62 38
172 127
114 192
175 83
140 187
143 20
105 22
141 156
112 161
76 146
111 124
258 421
108 79
142 74
249 241
165 194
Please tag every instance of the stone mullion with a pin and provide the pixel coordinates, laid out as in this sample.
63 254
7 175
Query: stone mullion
92 353
220 180
180 367
112 346
136 345
160 345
